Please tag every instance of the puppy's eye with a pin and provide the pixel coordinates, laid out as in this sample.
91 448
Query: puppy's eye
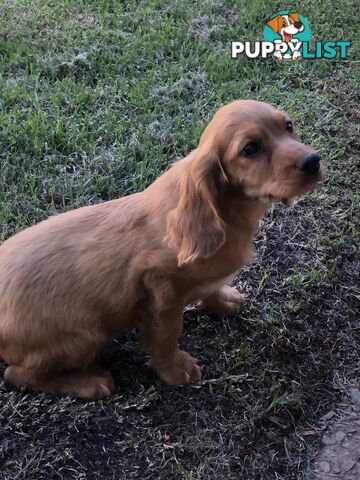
252 148
289 127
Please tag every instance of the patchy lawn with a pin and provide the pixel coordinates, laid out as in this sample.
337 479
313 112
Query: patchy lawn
97 98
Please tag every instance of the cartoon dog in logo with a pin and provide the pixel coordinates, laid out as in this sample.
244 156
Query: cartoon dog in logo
286 26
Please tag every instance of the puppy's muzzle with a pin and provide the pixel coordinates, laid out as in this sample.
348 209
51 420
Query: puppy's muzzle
309 164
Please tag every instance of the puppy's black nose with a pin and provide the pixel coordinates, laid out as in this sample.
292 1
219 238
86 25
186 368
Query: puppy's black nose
309 163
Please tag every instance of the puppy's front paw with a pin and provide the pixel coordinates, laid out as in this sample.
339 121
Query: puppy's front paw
182 369
225 301
232 300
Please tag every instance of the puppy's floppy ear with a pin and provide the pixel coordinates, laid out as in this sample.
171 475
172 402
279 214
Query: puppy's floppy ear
194 227
275 24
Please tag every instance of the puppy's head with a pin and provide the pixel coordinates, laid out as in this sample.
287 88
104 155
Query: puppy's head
260 152
248 146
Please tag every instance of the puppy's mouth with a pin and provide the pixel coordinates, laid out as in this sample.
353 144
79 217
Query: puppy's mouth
308 184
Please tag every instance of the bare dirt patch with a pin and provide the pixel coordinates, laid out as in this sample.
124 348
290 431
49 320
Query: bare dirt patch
340 456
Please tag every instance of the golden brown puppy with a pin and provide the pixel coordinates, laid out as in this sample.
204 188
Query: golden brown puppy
70 283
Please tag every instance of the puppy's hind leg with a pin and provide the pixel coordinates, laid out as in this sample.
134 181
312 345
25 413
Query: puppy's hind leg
91 384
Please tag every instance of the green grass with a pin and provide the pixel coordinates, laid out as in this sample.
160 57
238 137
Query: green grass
97 99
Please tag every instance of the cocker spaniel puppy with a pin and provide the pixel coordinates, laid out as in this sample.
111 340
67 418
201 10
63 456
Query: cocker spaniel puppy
73 281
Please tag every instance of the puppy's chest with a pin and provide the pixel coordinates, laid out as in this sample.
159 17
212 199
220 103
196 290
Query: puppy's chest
236 252
221 269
